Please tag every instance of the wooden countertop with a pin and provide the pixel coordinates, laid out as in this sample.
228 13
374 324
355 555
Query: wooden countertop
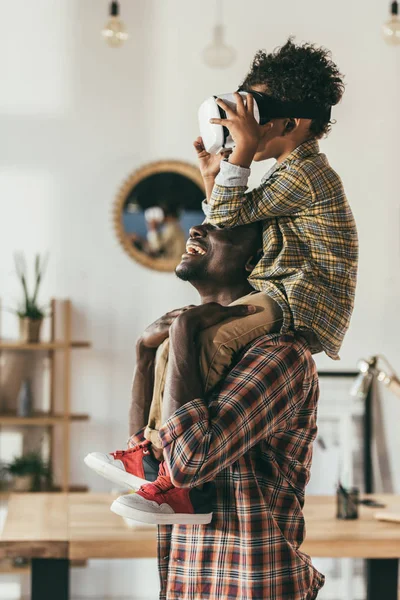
81 526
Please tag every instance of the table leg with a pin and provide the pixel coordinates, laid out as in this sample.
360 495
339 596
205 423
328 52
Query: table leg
50 579
382 578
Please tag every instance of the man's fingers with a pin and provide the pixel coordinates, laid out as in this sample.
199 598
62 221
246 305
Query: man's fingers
177 311
240 310
221 313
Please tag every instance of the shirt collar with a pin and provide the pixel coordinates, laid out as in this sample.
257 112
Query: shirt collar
305 149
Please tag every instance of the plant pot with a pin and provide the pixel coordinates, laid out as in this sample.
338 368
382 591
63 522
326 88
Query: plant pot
22 483
29 329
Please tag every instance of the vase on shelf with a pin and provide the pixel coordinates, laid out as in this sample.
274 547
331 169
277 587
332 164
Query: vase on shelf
29 330
24 400
22 483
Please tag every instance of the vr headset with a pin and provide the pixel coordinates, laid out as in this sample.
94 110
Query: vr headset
217 137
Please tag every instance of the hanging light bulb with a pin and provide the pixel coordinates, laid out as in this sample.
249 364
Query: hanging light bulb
114 31
218 54
391 29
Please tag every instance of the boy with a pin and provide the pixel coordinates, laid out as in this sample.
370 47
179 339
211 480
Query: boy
310 250
310 244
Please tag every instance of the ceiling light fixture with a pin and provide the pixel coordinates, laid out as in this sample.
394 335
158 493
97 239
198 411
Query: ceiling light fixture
391 29
218 54
114 31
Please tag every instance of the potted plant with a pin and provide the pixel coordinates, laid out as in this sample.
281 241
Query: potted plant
30 314
30 473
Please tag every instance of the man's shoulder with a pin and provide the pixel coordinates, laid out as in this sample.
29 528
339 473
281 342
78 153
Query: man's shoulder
291 347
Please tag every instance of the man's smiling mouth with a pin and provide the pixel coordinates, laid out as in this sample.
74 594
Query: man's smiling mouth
195 249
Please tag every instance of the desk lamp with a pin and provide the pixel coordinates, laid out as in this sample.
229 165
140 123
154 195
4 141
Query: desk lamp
379 368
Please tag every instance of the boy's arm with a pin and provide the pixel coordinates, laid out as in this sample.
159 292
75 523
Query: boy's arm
283 194
209 183
209 165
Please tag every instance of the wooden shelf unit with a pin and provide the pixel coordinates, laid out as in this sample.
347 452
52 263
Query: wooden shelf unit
63 418
39 419
42 346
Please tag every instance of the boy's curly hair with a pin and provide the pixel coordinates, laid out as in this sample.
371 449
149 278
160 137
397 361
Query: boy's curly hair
298 73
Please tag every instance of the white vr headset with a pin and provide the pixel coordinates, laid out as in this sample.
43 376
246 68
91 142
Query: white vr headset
217 137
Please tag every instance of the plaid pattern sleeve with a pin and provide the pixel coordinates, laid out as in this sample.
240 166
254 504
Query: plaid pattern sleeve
254 440
136 438
310 243
277 196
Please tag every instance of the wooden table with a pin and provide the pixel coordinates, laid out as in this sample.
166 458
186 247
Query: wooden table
53 529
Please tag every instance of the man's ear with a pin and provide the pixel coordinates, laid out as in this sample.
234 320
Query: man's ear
253 260
290 125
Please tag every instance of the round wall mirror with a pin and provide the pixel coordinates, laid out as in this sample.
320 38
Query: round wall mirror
154 210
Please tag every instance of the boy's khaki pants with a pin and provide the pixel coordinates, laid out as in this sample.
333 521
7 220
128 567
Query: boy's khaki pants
217 347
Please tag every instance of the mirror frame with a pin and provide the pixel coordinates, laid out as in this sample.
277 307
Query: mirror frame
163 166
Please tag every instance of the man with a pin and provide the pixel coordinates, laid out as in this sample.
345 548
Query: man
252 438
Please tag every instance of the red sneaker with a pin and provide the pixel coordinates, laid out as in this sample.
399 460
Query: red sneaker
132 468
162 503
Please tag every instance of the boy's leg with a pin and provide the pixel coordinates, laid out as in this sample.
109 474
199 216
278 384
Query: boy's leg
139 464
130 468
221 344
160 502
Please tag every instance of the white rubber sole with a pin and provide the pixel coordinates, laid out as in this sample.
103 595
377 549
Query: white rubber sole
113 473
129 512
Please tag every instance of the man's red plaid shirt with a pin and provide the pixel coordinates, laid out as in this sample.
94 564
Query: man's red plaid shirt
253 438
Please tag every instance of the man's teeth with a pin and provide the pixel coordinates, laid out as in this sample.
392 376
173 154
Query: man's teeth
195 250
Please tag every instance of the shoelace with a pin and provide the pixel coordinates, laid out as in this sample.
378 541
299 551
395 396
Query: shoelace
120 453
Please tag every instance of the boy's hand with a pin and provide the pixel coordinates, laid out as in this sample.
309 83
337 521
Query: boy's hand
243 127
209 164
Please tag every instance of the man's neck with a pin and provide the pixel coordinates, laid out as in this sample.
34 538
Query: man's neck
224 295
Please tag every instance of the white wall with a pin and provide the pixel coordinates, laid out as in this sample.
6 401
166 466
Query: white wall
76 117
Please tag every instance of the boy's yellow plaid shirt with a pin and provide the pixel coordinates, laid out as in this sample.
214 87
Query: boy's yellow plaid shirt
310 244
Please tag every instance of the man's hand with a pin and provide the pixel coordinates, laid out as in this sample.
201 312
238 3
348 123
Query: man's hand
243 127
194 320
158 331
